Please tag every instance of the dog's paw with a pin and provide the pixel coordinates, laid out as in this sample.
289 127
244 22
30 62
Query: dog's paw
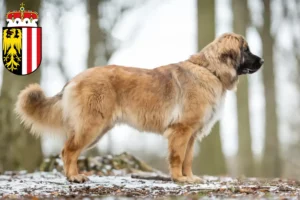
79 178
180 179
194 179
188 179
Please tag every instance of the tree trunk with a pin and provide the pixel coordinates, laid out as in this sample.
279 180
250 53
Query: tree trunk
94 31
271 164
211 159
97 50
245 156
18 149
97 55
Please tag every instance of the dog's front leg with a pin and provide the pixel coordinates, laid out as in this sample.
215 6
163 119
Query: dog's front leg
178 138
188 160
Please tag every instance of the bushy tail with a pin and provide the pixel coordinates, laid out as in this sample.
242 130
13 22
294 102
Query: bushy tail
38 112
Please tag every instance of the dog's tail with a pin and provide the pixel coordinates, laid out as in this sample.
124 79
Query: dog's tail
38 112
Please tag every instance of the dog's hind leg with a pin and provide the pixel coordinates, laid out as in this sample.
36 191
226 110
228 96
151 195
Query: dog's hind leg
72 149
88 108
70 154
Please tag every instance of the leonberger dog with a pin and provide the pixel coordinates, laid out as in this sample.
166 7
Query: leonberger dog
180 101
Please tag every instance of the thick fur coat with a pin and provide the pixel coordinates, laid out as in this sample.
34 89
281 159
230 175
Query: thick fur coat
180 101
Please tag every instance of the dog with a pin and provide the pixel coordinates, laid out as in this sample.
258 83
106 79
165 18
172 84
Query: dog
180 101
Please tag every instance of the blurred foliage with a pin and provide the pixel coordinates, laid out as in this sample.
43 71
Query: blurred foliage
101 165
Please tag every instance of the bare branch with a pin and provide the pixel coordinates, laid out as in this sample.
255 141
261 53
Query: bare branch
151 176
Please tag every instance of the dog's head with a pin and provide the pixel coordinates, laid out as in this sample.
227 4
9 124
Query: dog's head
227 57
235 52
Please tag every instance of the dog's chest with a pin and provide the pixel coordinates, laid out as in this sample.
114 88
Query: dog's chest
211 116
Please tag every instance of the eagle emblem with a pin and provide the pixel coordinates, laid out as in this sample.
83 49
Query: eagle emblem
12 46
21 42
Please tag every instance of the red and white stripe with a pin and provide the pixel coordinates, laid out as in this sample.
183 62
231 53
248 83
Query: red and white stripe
31 49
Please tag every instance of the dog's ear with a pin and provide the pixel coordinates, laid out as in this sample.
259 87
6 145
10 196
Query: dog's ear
230 54
230 49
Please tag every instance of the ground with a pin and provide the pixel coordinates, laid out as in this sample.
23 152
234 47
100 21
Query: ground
122 184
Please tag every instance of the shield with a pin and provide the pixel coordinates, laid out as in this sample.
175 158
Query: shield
22 49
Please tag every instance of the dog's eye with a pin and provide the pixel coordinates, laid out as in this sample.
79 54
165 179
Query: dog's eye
246 49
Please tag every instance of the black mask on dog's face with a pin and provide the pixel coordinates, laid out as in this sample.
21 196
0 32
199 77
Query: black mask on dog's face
250 63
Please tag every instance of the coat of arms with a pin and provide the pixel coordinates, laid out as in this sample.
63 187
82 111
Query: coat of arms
22 42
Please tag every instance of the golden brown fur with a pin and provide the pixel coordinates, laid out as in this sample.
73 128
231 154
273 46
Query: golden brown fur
178 100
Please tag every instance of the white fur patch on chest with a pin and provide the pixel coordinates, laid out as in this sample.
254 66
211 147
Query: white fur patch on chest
174 117
175 114
211 117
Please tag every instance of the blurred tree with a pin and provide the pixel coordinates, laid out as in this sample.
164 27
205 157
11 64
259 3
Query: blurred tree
101 24
271 163
245 157
18 149
211 159
100 46
101 42
291 16
96 36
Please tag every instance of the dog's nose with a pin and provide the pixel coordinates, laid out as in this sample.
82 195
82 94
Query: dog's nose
261 62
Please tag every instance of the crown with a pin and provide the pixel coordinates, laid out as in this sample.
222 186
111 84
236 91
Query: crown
22 18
